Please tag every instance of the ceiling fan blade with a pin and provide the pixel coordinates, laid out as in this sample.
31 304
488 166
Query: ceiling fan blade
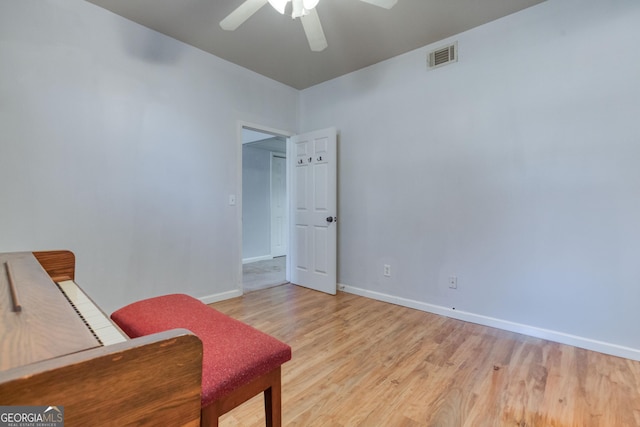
313 30
387 4
241 14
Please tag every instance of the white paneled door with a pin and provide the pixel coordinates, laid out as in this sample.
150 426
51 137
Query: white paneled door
313 228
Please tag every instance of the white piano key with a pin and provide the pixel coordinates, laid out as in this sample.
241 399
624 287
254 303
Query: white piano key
97 321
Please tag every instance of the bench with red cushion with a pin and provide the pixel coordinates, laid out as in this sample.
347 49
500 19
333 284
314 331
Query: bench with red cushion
239 361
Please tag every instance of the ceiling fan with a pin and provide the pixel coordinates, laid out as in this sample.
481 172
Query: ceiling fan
303 9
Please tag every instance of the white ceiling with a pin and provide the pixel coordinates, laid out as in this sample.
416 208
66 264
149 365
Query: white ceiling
275 46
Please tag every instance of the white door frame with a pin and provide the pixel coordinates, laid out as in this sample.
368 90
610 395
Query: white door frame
264 129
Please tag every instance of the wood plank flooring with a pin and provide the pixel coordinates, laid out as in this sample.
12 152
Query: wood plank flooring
361 362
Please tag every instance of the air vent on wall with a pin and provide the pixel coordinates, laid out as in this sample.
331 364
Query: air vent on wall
443 56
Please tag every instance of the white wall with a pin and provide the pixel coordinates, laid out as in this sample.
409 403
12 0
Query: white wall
515 169
122 145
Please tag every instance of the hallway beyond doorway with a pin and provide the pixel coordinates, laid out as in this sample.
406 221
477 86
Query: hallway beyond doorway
264 274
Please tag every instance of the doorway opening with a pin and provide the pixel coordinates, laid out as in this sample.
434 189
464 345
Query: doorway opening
265 222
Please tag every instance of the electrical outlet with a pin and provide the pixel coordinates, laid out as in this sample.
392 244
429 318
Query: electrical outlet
453 282
386 270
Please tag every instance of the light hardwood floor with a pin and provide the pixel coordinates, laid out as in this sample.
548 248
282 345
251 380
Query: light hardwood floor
360 362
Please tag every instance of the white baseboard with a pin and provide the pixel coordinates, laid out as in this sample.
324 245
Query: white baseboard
560 337
256 259
221 296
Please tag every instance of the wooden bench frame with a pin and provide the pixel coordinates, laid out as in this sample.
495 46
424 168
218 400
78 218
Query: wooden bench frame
241 363
269 383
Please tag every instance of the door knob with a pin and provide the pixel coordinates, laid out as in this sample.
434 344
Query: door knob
330 219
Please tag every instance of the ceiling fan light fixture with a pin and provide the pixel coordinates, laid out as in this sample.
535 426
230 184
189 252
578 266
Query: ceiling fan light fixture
310 4
298 9
279 5
303 9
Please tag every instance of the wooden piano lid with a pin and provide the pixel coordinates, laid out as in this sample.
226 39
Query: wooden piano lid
46 326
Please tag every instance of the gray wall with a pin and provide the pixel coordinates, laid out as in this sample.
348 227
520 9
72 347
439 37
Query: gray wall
122 145
515 169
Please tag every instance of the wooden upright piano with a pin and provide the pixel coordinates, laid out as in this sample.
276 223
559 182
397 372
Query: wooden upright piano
57 348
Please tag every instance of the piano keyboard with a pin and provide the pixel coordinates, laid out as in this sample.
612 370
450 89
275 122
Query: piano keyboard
93 317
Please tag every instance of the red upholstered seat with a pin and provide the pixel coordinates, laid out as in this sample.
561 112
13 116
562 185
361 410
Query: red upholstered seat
233 353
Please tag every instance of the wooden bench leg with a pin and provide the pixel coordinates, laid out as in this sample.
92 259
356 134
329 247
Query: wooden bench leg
209 416
273 404
269 383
